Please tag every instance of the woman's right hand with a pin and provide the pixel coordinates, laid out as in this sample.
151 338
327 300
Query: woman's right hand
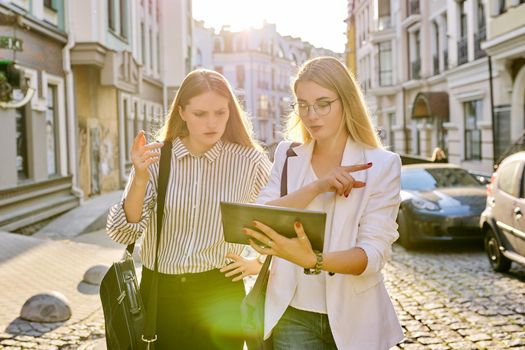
340 181
144 154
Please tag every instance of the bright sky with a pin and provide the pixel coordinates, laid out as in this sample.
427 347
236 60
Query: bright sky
319 22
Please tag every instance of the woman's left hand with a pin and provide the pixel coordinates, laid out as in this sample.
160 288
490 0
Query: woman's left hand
296 250
241 267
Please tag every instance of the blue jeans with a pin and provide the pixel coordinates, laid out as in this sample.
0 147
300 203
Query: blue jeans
303 330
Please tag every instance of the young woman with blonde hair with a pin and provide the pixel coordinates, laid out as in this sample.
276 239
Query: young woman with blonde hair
334 299
213 159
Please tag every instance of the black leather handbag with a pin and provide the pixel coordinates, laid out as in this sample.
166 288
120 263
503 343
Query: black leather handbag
128 325
252 306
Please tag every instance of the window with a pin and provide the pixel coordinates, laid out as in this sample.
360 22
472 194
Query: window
51 4
143 42
118 17
123 19
151 49
264 107
384 14
391 135
385 63
435 55
217 47
240 76
507 177
502 8
198 59
147 121
462 20
21 144
502 129
129 129
472 132
158 53
480 34
416 56
51 130
481 15
432 178
111 15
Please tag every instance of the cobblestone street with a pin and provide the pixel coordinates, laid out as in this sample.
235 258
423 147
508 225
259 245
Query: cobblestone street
445 300
453 300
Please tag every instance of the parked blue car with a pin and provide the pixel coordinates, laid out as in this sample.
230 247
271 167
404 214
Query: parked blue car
439 202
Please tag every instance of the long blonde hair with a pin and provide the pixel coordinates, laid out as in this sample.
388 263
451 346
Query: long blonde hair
238 128
331 74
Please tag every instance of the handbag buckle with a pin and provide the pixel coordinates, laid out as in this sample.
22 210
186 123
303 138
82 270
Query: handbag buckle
121 297
149 340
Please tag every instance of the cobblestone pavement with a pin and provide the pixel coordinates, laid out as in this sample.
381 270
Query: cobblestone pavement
453 300
446 298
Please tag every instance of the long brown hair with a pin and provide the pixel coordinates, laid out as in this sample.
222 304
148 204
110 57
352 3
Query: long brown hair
331 74
238 128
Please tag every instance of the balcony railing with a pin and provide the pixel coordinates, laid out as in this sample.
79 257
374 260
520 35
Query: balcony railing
413 7
416 69
435 63
462 51
480 36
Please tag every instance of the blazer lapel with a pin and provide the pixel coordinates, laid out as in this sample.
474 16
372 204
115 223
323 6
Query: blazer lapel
297 165
346 208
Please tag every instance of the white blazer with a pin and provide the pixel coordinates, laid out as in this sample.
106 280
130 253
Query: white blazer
360 312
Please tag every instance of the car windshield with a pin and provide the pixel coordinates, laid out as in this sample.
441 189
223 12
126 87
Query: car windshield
428 179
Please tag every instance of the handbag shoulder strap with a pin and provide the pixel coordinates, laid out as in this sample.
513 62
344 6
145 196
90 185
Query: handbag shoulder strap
284 191
164 170
150 323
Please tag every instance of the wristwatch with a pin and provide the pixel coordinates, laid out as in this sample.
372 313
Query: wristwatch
261 259
318 264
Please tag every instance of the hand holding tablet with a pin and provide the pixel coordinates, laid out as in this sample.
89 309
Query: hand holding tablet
236 216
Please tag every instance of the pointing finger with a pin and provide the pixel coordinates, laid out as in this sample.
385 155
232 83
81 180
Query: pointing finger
352 168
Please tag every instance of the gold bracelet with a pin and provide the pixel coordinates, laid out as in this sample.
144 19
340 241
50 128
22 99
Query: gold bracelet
318 264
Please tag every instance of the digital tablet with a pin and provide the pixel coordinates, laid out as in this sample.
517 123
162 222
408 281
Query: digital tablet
236 216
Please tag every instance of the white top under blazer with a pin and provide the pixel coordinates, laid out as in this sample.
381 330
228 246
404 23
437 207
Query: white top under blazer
359 309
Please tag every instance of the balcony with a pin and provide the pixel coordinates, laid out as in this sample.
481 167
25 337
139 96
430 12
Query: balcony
413 7
480 36
416 69
462 51
435 63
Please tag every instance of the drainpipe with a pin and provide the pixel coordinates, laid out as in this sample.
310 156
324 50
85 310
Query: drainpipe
70 103
493 117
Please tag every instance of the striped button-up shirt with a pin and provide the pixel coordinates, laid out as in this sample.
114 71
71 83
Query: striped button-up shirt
192 237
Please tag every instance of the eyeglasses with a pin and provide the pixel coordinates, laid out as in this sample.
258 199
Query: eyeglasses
321 108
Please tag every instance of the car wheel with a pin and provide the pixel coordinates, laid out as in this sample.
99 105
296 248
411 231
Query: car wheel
404 235
497 260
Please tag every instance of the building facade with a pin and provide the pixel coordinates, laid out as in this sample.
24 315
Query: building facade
38 172
86 77
426 77
259 64
505 45
127 69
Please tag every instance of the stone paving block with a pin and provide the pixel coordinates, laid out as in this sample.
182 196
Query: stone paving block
35 266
